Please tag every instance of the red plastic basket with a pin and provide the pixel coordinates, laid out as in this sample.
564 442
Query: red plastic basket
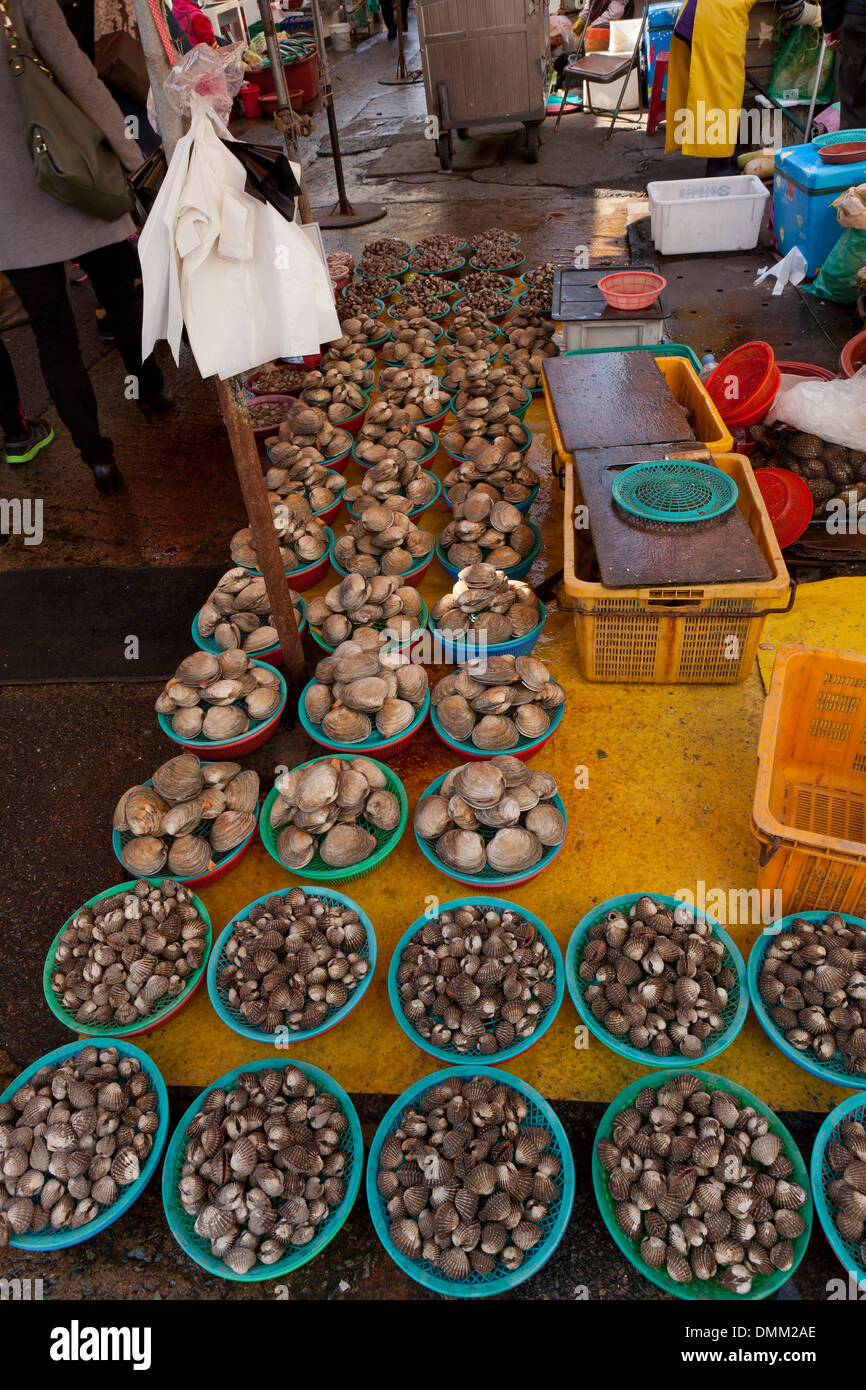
789 502
632 289
853 355
744 384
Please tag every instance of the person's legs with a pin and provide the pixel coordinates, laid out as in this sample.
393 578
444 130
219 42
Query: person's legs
13 422
387 10
42 291
113 271
852 73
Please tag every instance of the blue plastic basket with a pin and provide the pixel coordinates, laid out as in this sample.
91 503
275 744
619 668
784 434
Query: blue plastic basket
524 748
554 1225
523 507
222 862
59 1240
207 644
846 1251
489 878
416 511
833 1071
675 491
182 1225
513 572
256 725
455 653
375 744
235 1020
733 1015
449 1054
709 1289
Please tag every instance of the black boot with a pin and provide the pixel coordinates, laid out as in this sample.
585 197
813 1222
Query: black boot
106 475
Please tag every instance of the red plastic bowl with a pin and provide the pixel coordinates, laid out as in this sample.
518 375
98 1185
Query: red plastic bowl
220 752
753 368
352 425
853 355
789 502
631 289
262 431
806 371
471 754
299 580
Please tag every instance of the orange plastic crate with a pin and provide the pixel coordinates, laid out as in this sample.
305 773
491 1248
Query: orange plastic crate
809 811
700 634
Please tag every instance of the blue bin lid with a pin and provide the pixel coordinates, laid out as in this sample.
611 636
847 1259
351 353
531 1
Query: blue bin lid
662 16
803 165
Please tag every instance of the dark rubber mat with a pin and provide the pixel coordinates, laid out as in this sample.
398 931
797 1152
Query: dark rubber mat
98 624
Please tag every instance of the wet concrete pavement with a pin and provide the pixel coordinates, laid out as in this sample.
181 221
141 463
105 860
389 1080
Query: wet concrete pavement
69 751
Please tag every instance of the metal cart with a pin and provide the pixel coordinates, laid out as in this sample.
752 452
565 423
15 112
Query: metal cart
485 62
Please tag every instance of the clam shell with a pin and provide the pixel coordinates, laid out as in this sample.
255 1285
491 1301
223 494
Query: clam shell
295 847
230 829
180 779
144 856
345 845
513 849
189 856
223 722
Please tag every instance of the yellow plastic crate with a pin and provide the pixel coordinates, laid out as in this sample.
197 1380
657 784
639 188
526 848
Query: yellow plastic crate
809 811
702 634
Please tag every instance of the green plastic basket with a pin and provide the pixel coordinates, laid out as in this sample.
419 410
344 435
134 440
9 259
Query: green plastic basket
657 350
763 1284
49 1239
182 1225
164 1008
733 1015
317 869
554 1224
846 1251
675 491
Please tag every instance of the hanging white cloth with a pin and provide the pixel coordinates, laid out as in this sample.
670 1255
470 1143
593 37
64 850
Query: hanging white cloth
247 283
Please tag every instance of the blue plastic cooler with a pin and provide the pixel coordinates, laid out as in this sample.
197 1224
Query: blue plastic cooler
657 37
803 190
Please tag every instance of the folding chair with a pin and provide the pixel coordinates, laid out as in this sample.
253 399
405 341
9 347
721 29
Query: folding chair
605 68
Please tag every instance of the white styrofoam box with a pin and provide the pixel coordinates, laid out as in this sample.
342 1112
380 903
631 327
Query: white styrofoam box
720 214
618 333
606 94
623 35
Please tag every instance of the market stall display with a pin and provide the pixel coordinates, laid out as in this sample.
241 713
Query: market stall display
372 611
509 702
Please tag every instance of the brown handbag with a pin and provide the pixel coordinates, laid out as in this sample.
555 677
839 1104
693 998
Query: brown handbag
119 60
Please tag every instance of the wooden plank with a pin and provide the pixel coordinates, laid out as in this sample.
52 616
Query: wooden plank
634 556
606 399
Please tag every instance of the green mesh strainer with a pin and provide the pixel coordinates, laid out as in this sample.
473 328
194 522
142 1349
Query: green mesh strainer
674 490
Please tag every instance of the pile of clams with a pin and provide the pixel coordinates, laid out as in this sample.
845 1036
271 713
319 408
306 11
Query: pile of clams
480 378
302 541
264 1167
292 961
538 295
528 343
495 816
395 482
372 612
332 393
382 541
813 982
381 263
356 690
388 246
360 300
217 696
303 486
72 1138
473 488
702 1185
237 614
276 379
437 242
375 286
656 978
495 248
388 427
319 808
500 537
307 434
496 701
476 979
359 330
846 1191
416 389
352 361
426 297
488 302
191 815
414 342
467 1180
454 353
127 957
484 601
483 280
471 327
482 421
440 259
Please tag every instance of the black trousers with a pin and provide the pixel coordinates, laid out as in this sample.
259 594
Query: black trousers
44 293
852 72
389 14
12 422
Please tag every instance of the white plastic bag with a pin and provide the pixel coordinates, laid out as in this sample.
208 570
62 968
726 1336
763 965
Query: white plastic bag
791 269
247 284
833 410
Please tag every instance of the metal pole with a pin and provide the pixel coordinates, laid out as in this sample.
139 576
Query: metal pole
403 78
232 401
808 131
284 107
342 214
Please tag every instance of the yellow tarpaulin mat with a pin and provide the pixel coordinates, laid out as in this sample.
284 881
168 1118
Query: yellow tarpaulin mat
830 613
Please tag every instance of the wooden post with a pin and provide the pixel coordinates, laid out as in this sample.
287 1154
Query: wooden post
233 406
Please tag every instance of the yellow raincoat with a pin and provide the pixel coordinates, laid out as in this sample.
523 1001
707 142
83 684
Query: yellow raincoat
706 84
